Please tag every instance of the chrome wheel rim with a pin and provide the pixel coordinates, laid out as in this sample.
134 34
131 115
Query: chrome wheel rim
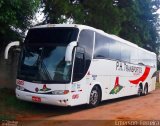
94 97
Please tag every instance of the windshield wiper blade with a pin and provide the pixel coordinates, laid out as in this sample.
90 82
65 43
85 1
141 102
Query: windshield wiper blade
45 71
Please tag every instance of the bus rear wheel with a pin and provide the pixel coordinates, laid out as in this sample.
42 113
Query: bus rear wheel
94 97
145 92
140 90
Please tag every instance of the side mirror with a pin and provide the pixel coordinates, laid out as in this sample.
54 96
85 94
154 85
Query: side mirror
80 50
69 49
16 43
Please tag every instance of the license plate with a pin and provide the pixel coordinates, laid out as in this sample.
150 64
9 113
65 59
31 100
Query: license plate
36 99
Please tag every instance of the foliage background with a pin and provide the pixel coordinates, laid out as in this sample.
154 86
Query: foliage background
133 20
15 18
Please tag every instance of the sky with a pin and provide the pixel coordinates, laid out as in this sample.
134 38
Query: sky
39 17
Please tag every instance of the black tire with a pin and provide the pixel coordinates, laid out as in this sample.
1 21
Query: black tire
140 90
145 92
95 97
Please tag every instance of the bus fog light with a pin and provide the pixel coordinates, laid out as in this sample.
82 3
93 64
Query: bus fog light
57 92
53 92
60 92
20 88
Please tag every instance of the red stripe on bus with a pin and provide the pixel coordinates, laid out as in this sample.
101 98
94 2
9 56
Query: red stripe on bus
143 77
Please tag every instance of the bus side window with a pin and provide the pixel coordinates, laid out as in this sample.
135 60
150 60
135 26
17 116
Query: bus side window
79 66
125 53
85 42
101 47
114 50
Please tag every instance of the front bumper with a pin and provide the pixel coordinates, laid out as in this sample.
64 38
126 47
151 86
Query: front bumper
58 100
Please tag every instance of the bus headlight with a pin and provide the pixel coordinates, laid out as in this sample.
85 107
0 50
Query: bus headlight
60 92
20 88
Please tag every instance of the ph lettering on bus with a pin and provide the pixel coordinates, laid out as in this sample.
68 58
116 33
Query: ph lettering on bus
119 66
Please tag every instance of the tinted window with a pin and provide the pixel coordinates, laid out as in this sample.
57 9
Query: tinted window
79 66
43 55
51 35
114 50
133 55
106 47
86 43
101 46
125 53
152 60
141 57
109 48
45 64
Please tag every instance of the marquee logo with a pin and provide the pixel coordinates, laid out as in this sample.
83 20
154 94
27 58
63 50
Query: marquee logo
45 88
117 87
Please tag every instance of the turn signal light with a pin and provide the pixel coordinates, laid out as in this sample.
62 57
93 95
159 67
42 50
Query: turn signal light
66 91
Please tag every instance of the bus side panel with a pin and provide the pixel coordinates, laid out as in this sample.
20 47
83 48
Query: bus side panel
80 90
114 79
118 79
114 83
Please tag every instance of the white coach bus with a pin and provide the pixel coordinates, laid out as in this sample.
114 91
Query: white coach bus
69 65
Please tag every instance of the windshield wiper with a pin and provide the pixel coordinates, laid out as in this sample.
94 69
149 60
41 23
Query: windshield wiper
45 71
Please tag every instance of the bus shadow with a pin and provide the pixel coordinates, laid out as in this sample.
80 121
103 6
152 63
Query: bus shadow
52 111
111 101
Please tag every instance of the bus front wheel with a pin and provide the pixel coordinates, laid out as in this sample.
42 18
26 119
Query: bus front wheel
94 97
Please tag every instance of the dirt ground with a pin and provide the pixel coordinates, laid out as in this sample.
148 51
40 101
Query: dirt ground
128 108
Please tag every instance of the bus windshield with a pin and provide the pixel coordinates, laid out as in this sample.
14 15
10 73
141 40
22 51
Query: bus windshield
43 55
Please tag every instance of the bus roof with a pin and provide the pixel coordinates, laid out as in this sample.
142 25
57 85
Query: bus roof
81 27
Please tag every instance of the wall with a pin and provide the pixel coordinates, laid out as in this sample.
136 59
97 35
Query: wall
8 70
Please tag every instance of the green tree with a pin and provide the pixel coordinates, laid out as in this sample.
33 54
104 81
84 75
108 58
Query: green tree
15 18
133 20
140 23
103 15
59 11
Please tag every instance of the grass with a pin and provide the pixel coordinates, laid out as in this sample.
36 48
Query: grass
7 117
9 99
157 85
10 106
